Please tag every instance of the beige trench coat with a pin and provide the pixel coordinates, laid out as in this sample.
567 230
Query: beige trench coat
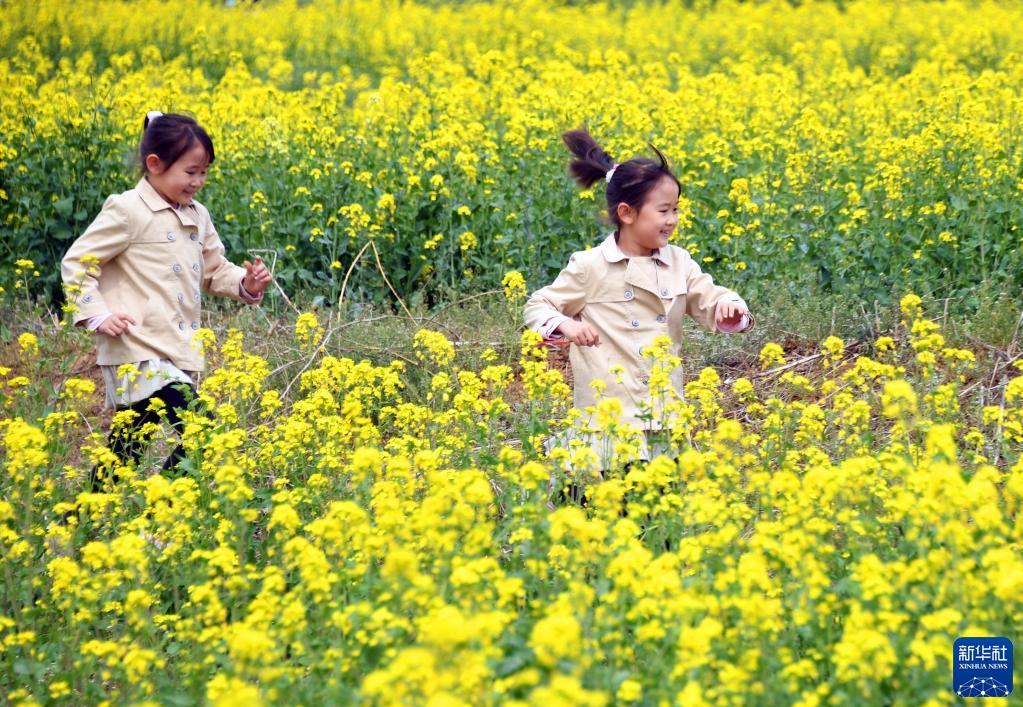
155 262
629 301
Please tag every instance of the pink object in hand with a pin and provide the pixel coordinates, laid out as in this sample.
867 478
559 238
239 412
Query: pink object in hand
733 327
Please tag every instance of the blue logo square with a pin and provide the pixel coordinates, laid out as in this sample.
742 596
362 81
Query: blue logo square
982 667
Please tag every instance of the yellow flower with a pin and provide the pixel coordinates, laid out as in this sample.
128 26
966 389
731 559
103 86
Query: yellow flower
743 388
771 355
78 388
884 344
434 346
910 306
446 627
555 638
59 689
467 241
514 286
29 344
308 332
833 348
898 399
223 691
629 691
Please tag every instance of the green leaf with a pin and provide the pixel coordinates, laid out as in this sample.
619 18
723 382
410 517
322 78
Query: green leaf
63 206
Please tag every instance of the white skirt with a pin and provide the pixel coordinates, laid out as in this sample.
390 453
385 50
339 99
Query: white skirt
650 445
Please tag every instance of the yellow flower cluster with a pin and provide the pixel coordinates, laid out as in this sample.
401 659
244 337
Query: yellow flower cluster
514 286
308 332
796 129
374 536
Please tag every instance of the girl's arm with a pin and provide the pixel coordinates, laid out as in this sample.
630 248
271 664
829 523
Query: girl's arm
220 275
706 300
550 306
106 237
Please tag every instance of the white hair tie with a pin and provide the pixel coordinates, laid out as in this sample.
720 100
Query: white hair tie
153 115
610 173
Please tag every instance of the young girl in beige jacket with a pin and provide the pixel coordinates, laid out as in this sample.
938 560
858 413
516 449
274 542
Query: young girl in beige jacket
137 276
611 302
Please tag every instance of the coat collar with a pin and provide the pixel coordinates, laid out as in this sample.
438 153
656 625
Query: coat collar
613 254
637 274
152 199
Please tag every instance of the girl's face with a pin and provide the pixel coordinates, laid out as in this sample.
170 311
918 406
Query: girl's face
179 182
650 227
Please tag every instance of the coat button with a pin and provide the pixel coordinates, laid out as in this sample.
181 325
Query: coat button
628 294
87 298
181 326
661 318
196 296
194 237
635 322
195 325
176 268
664 292
181 297
195 267
644 380
170 236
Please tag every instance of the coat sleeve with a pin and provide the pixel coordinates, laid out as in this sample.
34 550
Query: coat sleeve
107 236
221 276
564 298
703 297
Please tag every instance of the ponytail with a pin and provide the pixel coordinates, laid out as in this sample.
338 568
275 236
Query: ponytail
592 163
628 182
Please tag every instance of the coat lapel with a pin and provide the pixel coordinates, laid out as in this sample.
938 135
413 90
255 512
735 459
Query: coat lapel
152 199
640 273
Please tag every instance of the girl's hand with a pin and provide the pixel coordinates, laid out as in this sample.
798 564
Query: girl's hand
730 314
257 277
579 333
115 325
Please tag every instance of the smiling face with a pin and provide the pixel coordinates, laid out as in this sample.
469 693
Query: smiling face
179 182
650 226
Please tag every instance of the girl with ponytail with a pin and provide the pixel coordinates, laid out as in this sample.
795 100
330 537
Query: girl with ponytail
611 302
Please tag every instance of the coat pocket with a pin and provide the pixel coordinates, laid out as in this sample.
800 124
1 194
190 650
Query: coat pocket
159 256
612 292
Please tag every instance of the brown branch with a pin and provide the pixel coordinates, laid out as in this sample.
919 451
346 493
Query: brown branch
348 274
308 363
380 267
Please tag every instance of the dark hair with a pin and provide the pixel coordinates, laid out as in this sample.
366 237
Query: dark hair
631 181
169 136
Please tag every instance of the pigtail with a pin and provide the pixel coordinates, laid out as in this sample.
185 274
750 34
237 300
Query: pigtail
591 162
661 157
627 183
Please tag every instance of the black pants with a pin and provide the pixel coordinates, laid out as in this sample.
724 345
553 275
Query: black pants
126 442
572 493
